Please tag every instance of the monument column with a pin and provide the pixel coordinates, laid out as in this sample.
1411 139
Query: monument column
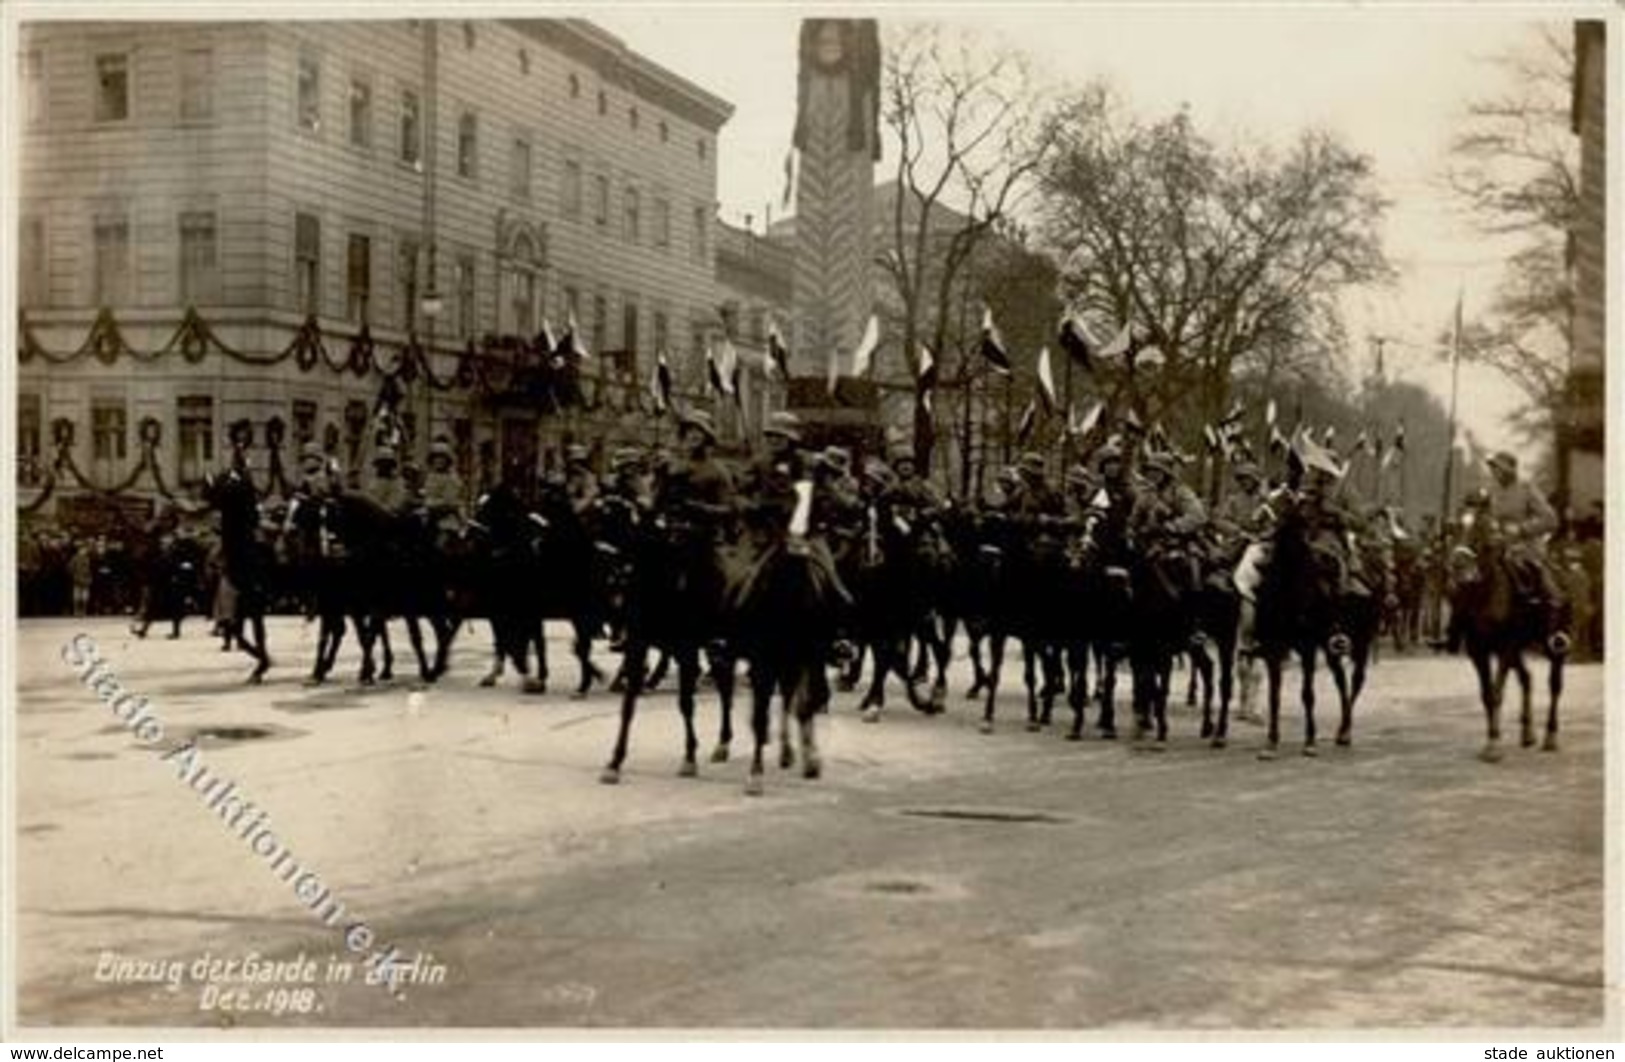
837 136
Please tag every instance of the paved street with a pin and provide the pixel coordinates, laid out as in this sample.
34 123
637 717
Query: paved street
934 878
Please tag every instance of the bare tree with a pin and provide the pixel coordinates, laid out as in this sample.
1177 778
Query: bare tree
971 131
1515 170
1229 262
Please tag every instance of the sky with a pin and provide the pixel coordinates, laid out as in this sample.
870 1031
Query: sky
1392 82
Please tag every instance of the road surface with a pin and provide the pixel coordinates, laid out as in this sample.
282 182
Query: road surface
934 878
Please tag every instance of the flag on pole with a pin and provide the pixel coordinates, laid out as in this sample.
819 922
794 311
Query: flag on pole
728 366
1212 439
572 338
1076 341
789 174
992 344
713 371
865 353
834 371
1029 417
927 377
1362 443
778 355
660 383
1046 381
548 341
1090 419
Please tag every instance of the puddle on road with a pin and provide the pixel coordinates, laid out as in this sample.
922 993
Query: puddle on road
224 735
894 885
986 814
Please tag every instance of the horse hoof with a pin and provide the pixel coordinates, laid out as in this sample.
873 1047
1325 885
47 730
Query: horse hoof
812 769
618 686
1344 740
314 680
871 714
1527 740
535 686
974 692
1108 734
1267 753
1219 742
787 759
257 678
1034 726
386 675
610 776
689 769
1074 735
489 680
1550 744
1491 752
719 754
1159 745
985 726
1310 751
1207 730
754 786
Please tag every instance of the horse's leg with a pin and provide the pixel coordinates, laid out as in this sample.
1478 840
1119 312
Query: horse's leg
995 653
1159 704
583 650
688 681
1272 674
414 633
1306 656
256 623
1029 660
973 649
1345 699
875 698
1054 679
501 640
637 660
942 654
811 697
1491 752
1107 667
1202 669
1526 714
1077 694
722 670
1554 686
1226 645
1191 678
763 682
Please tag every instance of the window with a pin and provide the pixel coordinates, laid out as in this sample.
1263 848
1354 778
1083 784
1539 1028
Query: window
194 416
112 276
30 421
468 36
519 169
462 445
662 223
468 129
575 87
632 118
108 430
463 286
304 421
665 132
200 272
524 61
360 113
633 221
358 286
603 102
406 282
600 323
702 233
629 325
572 304
310 94
197 85
33 277
112 87
307 263
520 291
570 193
662 331
699 147
411 127
34 87
600 200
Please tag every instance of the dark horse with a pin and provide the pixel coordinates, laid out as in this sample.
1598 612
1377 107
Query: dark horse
673 598
888 567
247 559
1300 611
1023 565
1497 627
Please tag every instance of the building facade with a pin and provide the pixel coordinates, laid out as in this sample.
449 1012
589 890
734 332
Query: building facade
263 227
1580 434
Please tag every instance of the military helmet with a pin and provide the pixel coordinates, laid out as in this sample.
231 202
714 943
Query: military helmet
784 425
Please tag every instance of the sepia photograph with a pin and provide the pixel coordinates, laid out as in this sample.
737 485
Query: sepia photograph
1084 519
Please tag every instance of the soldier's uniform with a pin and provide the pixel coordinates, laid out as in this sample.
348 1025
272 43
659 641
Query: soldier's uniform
580 482
1526 519
1165 508
1033 497
385 488
699 490
443 490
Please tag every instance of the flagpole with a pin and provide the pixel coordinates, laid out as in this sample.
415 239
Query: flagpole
1450 447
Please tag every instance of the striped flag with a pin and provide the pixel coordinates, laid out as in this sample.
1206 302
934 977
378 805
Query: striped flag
992 344
1029 418
660 383
1046 381
864 355
1119 344
778 355
1076 341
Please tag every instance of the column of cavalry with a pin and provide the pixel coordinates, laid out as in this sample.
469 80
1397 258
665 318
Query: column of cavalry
802 564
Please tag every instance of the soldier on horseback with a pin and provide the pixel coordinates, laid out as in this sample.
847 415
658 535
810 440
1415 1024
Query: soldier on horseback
700 489
443 490
1166 513
385 489
1526 520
